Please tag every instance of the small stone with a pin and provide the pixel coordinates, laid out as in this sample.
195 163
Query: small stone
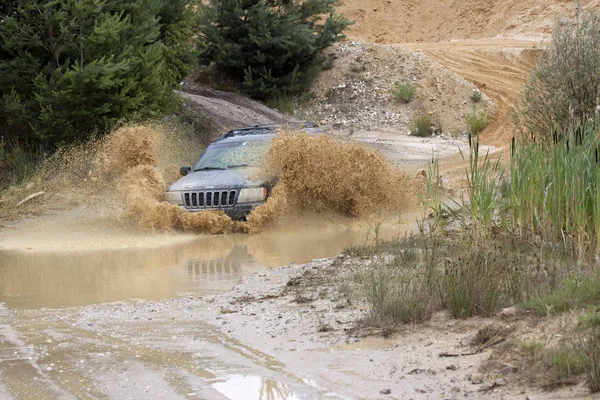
385 391
452 367
476 379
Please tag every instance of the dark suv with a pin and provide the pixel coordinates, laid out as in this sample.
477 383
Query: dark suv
223 178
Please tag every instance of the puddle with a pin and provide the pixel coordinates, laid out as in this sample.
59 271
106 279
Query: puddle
255 387
203 266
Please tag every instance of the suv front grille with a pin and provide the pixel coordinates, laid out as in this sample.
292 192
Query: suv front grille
209 199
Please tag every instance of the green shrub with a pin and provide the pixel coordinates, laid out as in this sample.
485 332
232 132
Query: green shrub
564 88
476 121
68 68
421 126
404 91
276 49
476 96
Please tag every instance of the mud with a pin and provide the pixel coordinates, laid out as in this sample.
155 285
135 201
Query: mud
325 175
255 341
65 271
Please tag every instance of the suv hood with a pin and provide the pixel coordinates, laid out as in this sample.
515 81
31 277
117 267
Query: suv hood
217 179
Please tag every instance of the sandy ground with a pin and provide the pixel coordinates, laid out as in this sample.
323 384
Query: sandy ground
405 21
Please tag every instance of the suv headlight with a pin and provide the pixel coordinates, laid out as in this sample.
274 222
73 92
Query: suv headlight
252 195
174 197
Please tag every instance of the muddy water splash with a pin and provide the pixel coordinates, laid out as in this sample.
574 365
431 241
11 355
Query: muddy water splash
319 173
316 173
131 167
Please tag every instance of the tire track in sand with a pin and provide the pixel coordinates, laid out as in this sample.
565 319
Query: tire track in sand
498 67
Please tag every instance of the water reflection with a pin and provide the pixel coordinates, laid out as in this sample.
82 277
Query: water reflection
207 265
254 387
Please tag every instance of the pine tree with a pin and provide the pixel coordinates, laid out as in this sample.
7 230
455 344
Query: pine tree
270 46
69 67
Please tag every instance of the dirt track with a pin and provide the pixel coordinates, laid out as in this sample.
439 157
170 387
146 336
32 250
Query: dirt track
497 67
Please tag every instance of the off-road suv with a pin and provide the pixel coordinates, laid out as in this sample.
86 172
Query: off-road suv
223 178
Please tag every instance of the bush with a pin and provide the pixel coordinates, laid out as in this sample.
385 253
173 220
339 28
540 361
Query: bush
564 88
404 91
421 126
68 68
270 46
476 121
476 96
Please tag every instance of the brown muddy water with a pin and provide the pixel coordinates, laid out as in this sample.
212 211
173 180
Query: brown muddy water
49 277
121 323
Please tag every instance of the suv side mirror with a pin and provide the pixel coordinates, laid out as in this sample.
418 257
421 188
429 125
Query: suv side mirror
185 170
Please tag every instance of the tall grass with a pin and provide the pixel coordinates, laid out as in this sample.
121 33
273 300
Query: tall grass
466 274
554 189
483 190
434 186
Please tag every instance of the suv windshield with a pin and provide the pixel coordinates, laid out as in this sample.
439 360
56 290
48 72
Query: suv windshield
232 155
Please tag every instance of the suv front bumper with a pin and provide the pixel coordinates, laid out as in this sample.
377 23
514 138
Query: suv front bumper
237 212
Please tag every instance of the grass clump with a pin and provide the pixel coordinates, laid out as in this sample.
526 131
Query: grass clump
589 349
575 355
400 293
476 96
421 126
465 273
476 121
404 91
573 293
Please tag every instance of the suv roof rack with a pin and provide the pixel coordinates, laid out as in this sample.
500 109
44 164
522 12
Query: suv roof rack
266 128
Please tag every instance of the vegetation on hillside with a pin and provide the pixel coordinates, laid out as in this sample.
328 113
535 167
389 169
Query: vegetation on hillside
564 89
271 47
72 67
